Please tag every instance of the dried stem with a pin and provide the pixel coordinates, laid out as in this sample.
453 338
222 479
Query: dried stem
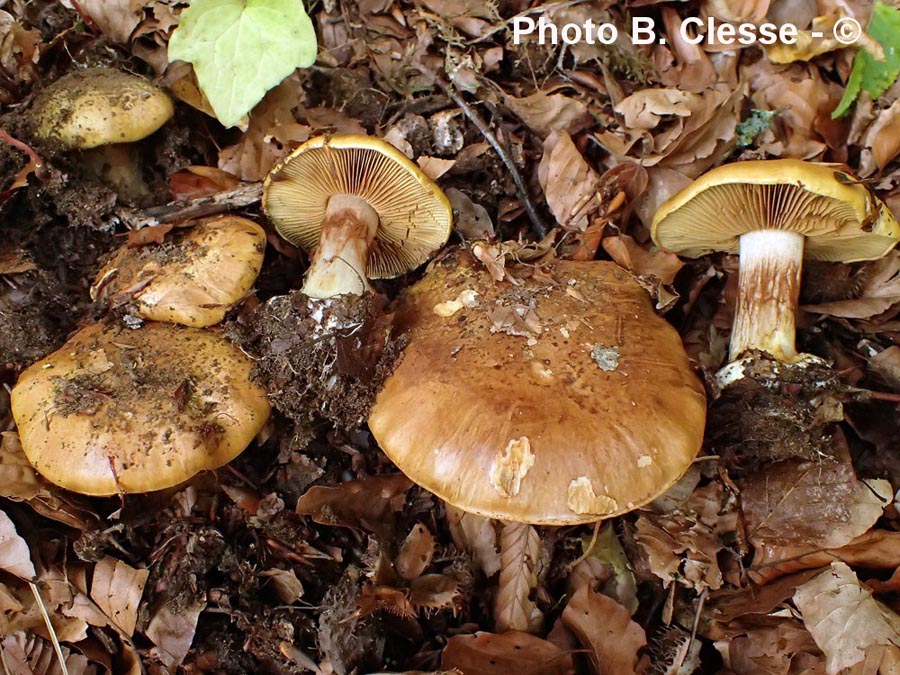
221 202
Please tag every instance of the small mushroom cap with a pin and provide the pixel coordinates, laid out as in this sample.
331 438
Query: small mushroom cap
99 106
839 216
415 217
193 280
547 403
118 410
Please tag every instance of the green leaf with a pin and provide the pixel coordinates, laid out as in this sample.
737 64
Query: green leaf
242 48
869 74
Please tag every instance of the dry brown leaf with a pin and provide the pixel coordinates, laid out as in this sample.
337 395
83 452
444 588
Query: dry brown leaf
369 503
435 167
638 260
781 649
512 652
415 553
819 39
173 632
881 143
15 557
546 113
19 52
152 234
477 536
520 546
117 589
18 479
470 220
193 182
818 503
286 584
27 654
647 108
887 364
272 134
876 549
605 628
116 19
880 293
843 617
693 71
570 185
684 545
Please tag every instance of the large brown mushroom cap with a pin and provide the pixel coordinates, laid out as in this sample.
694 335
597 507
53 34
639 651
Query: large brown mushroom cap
193 280
548 403
414 215
118 410
839 216
99 106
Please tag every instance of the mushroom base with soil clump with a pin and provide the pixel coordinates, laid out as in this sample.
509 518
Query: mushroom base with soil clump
323 357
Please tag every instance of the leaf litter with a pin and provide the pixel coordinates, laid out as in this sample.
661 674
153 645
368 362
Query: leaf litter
778 553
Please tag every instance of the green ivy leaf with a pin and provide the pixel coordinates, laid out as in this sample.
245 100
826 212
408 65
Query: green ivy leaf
868 73
242 48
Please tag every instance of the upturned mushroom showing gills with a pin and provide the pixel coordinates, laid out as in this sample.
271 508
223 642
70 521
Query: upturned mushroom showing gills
102 111
775 213
360 206
561 401
193 278
118 410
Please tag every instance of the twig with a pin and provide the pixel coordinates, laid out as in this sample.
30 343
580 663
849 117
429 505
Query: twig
53 638
27 149
536 221
221 202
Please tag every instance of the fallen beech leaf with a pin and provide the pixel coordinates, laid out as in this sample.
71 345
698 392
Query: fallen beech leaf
818 503
15 262
435 167
15 557
887 364
470 220
512 652
193 182
547 113
783 648
117 589
606 629
28 654
415 553
646 108
153 234
116 19
477 536
876 549
286 584
570 185
173 632
881 291
519 556
638 260
369 503
843 617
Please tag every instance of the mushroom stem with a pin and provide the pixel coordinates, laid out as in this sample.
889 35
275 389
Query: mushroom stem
340 261
118 166
768 292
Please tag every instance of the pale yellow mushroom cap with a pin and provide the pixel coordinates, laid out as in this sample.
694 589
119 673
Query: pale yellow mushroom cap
840 217
415 217
118 410
192 280
99 106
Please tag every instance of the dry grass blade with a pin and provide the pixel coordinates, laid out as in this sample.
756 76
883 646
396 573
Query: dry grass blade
53 638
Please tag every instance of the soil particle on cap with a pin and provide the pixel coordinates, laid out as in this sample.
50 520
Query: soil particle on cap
323 358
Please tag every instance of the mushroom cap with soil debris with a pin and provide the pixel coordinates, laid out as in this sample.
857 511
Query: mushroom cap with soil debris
192 279
362 207
117 410
560 401
99 106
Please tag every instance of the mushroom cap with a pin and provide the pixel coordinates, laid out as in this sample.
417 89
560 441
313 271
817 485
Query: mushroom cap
99 106
839 216
118 410
415 217
193 280
546 403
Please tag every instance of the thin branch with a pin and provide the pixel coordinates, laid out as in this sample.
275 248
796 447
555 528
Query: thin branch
537 223
221 202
